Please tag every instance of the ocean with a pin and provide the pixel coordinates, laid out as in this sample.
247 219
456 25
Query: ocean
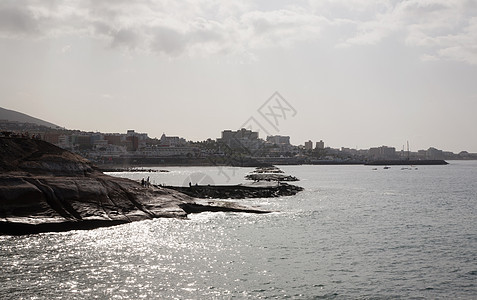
353 233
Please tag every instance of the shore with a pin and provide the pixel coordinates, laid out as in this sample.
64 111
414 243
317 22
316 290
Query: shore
434 162
127 163
45 188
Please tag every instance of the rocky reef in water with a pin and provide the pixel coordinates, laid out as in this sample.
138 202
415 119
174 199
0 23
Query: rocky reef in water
270 177
269 174
238 191
272 169
258 189
45 188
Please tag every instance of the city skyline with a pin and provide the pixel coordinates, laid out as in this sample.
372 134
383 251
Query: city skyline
14 122
357 75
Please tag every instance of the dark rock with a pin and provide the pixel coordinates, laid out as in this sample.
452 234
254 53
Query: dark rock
238 191
271 169
270 177
216 206
142 170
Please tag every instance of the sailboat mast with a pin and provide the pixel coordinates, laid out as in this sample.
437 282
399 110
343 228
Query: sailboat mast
408 150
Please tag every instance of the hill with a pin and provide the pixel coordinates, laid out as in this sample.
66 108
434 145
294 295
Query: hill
11 115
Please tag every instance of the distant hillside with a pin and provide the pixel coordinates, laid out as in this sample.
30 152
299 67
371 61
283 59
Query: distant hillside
11 115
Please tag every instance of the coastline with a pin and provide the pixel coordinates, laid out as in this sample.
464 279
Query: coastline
146 163
44 188
434 162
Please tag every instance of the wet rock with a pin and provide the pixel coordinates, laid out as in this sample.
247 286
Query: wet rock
238 191
270 173
272 169
139 170
270 177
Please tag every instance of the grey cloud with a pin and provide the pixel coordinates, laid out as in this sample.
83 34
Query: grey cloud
17 21
125 37
441 28
206 31
421 8
168 41
101 28
193 27
283 27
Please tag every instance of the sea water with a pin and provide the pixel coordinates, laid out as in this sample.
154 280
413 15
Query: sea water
353 233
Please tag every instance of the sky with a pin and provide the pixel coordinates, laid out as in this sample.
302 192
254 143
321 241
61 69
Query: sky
353 73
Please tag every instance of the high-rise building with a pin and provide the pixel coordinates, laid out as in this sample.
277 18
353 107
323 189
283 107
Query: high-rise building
320 145
278 139
309 145
132 142
113 139
241 139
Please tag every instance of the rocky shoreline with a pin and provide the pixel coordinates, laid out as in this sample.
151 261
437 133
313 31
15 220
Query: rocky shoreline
45 188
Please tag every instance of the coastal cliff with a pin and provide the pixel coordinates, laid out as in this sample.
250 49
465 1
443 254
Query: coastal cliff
46 188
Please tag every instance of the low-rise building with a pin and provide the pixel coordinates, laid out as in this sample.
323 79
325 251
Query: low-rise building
172 141
383 152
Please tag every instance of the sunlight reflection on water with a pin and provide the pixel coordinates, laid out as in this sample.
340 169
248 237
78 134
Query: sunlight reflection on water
352 233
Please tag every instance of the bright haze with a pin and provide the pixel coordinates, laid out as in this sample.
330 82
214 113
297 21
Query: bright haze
358 73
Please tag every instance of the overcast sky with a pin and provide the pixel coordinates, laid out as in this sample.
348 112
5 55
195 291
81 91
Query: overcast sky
353 73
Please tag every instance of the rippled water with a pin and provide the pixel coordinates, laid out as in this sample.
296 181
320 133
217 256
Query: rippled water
353 233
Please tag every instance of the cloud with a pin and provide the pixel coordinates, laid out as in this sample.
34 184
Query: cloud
442 29
125 37
461 46
65 49
16 21
169 40
169 27
282 27
106 96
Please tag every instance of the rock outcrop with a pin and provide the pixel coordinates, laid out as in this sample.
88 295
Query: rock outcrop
269 174
46 188
238 191
272 169
270 177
